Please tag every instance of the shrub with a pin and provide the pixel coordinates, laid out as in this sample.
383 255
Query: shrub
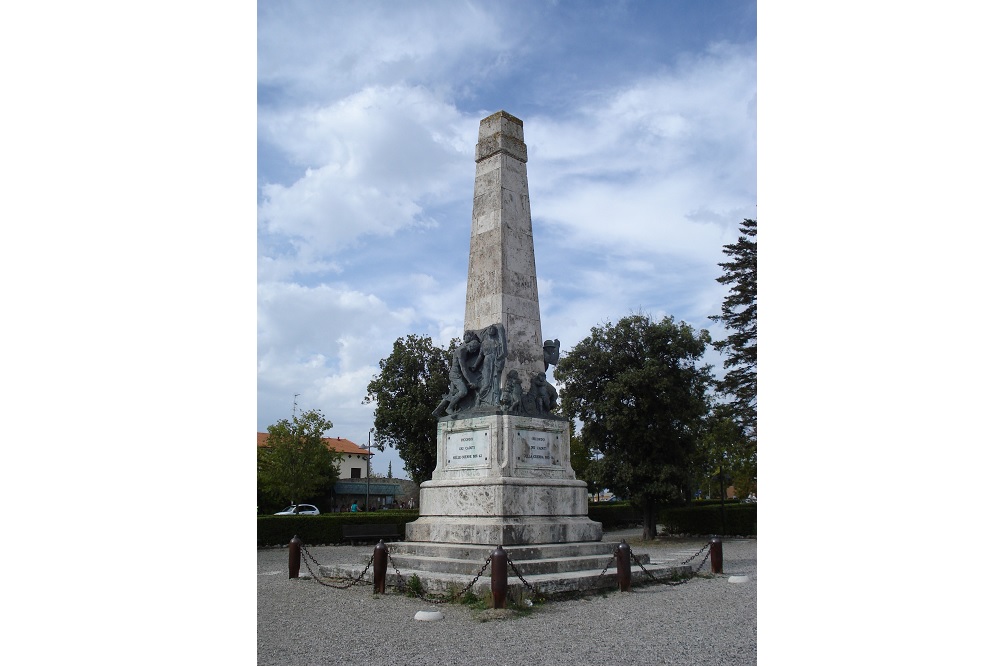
414 588
614 515
323 528
741 519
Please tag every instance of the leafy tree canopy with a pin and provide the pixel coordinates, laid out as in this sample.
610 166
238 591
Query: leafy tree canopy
726 455
581 458
641 394
739 315
296 464
410 384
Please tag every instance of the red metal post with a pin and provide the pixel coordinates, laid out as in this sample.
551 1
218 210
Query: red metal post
294 557
498 577
623 554
381 562
716 552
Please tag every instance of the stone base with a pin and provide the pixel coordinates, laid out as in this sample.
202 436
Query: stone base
503 479
505 531
503 511
545 568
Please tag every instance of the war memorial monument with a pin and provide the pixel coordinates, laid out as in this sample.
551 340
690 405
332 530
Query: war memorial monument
503 471
503 475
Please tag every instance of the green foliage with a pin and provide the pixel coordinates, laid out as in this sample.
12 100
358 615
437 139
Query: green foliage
641 394
614 515
324 528
740 519
470 599
581 458
726 455
739 315
414 588
296 463
409 386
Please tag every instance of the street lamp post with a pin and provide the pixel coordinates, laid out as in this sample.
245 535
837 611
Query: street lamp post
368 470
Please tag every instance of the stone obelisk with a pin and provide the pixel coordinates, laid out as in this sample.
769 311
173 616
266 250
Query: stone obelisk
502 286
503 472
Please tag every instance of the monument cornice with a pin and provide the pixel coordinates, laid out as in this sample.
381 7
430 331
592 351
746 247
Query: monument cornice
501 133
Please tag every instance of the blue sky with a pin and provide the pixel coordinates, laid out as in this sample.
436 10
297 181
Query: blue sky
640 122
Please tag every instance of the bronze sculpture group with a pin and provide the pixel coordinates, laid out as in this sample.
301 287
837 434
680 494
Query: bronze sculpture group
476 373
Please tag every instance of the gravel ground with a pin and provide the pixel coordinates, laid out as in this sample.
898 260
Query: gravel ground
707 621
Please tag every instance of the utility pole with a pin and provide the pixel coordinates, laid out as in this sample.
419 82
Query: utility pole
368 470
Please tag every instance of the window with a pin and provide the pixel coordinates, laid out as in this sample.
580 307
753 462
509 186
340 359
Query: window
355 473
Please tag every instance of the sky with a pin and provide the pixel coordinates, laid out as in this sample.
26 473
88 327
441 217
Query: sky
640 120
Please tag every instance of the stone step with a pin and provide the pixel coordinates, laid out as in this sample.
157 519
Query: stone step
534 566
547 568
545 584
517 552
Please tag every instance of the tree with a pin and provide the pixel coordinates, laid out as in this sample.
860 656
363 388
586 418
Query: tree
296 463
389 473
641 395
726 455
739 315
581 458
412 380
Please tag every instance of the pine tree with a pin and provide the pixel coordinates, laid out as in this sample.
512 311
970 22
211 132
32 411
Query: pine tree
739 315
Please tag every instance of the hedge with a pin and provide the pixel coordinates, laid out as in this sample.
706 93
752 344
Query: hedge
324 528
615 515
741 519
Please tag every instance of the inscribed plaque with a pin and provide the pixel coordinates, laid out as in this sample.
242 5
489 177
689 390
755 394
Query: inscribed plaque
467 448
537 448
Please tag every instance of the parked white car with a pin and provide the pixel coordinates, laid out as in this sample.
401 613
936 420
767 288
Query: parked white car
297 509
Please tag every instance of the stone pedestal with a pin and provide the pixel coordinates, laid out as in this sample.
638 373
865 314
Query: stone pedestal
503 479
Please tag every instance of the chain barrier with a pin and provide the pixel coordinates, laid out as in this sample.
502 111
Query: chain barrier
403 588
354 582
510 565
610 561
685 562
696 554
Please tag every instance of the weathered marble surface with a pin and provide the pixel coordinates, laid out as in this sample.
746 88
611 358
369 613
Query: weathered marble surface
503 479
503 472
502 285
503 445
506 531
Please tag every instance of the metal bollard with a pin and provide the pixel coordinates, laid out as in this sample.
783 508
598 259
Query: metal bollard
716 551
623 554
381 562
294 557
498 577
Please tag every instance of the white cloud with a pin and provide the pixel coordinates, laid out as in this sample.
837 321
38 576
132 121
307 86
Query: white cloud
368 117
374 160
329 49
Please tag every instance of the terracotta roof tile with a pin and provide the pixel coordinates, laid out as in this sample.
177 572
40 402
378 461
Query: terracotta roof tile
342 445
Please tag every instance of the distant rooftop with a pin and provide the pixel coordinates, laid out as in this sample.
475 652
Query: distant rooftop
342 445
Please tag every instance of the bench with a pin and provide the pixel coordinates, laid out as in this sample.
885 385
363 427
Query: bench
369 532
